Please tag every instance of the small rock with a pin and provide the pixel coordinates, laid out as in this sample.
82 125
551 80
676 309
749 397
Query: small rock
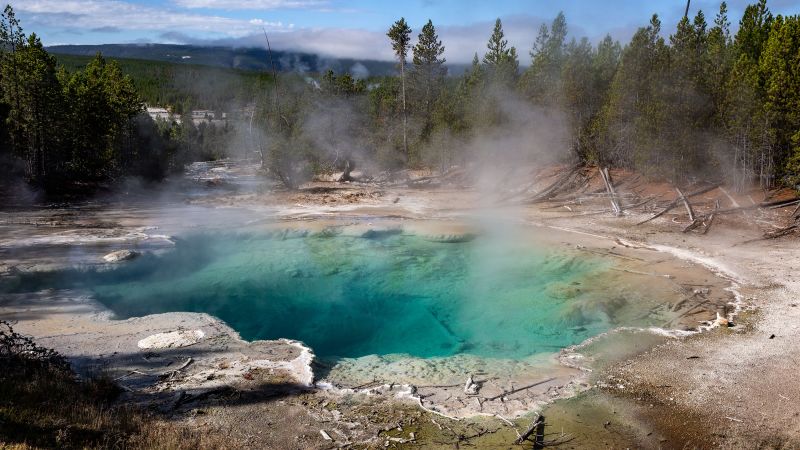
120 255
471 387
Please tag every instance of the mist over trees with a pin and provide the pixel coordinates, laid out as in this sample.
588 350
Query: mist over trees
699 102
694 101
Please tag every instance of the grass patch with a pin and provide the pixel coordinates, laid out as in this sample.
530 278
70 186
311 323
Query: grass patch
44 404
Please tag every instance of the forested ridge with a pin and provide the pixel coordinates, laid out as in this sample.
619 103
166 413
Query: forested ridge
184 87
700 102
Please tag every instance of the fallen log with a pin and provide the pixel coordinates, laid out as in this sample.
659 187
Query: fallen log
686 203
694 224
611 193
740 208
774 234
782 232
675 202
711 217
710 222
636 205
554 187
783 204
534 426
734 203
514 391
780 203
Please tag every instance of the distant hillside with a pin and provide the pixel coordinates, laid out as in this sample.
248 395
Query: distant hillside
251 59
185 86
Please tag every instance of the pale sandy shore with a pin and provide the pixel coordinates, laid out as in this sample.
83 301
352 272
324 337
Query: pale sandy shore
726 387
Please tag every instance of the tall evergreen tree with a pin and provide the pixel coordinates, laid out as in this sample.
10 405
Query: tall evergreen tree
542 81
427 78
102 102
749 130
780 69
627 129
501 60
32 93
719 61
400 36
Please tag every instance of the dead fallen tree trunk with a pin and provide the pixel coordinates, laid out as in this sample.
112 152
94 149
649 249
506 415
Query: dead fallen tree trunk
709 223
775 234
706 220
675 202
734 203
550 190
636 205
781 232
780 203
686 203
534 426
514 391
610 188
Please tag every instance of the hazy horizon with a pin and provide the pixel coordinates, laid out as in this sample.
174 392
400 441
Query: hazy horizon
346 29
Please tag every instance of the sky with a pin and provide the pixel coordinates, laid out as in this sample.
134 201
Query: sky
349 28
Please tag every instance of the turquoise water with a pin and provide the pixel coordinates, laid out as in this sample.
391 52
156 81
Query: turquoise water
355 296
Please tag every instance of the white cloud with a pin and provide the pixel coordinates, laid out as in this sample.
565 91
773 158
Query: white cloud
249 4
461 42
334 42
184 26
115 14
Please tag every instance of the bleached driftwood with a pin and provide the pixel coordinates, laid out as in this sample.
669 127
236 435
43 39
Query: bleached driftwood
686 203
675 202
610 188
734 203
550 190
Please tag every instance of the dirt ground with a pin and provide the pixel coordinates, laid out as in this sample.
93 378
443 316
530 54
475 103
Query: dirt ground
727 387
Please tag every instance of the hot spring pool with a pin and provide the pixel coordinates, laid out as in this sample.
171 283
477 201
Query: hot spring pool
378 293
501 295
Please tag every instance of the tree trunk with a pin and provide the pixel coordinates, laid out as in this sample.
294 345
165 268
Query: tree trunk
405 116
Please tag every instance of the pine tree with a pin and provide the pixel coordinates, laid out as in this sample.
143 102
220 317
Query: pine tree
627 131
780 68
542 81
687 97
11 39
102 102
719 61
32 92
429 72
400 36
475 75
501 60
748 128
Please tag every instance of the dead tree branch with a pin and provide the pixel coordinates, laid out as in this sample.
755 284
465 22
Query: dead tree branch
675 202
535 424
610 188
